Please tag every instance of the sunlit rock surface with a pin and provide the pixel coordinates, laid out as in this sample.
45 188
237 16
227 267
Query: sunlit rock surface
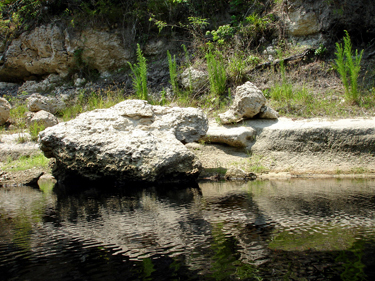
131 141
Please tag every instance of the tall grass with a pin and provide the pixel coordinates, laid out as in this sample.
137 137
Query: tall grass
348 68
86 102
26 162
216 74
173 72
140 75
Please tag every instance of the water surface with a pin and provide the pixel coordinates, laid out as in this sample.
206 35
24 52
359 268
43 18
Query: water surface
262 230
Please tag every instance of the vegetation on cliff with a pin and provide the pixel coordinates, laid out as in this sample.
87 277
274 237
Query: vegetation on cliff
233 40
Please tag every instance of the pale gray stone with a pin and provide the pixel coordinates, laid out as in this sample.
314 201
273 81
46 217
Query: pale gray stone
236 137
42 118
38 102
248 102
196 79
131 141
4 110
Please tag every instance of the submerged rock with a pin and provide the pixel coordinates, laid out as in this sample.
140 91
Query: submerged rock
129 142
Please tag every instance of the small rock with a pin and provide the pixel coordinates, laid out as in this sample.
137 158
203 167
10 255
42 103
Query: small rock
4 110
268 113
38 102
238 174
79 82
42 118
236 137
196 79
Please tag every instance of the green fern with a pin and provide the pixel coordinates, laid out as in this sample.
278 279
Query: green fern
140 75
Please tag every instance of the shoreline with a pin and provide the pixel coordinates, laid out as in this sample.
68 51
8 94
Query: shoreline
281 149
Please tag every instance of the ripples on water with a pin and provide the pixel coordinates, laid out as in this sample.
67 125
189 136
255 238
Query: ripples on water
295 230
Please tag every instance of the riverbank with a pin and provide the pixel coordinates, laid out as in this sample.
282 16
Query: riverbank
281 149
288 148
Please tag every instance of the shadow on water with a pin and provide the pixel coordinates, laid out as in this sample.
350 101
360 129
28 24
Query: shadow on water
296 230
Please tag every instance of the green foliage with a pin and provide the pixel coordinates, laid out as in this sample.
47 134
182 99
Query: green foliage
94 100
321 51
348 68
216 73
237 65
223 33
35 128
27 162
140 75
173 72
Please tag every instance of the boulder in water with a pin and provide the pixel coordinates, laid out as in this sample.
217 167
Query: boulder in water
130 142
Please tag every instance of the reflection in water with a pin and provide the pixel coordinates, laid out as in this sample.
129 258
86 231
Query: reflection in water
297 230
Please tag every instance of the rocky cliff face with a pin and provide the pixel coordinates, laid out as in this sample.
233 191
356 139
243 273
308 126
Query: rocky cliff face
55 48
327 19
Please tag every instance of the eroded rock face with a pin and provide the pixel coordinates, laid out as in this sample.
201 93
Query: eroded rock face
321 19
54 49
248 102
37 102
4 110
129 142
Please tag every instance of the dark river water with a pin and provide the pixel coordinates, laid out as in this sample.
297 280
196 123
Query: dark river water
260 230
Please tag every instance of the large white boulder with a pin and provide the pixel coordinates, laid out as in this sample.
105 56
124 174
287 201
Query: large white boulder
129 142
37 102
248 102
4 110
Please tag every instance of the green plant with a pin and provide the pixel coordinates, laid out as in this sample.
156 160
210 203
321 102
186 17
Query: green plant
321 51
216 73
223 33
34 130
140 75
348 68
173 72
27 162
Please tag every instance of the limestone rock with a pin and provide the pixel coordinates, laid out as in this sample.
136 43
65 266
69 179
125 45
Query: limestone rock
197 79
302 23
267 112
129 142
238 174
42 118
4 110
48 84
38 102
54 48
4 85
248 102
236 137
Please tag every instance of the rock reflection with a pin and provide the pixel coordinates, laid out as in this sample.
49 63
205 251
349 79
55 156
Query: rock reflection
221 231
